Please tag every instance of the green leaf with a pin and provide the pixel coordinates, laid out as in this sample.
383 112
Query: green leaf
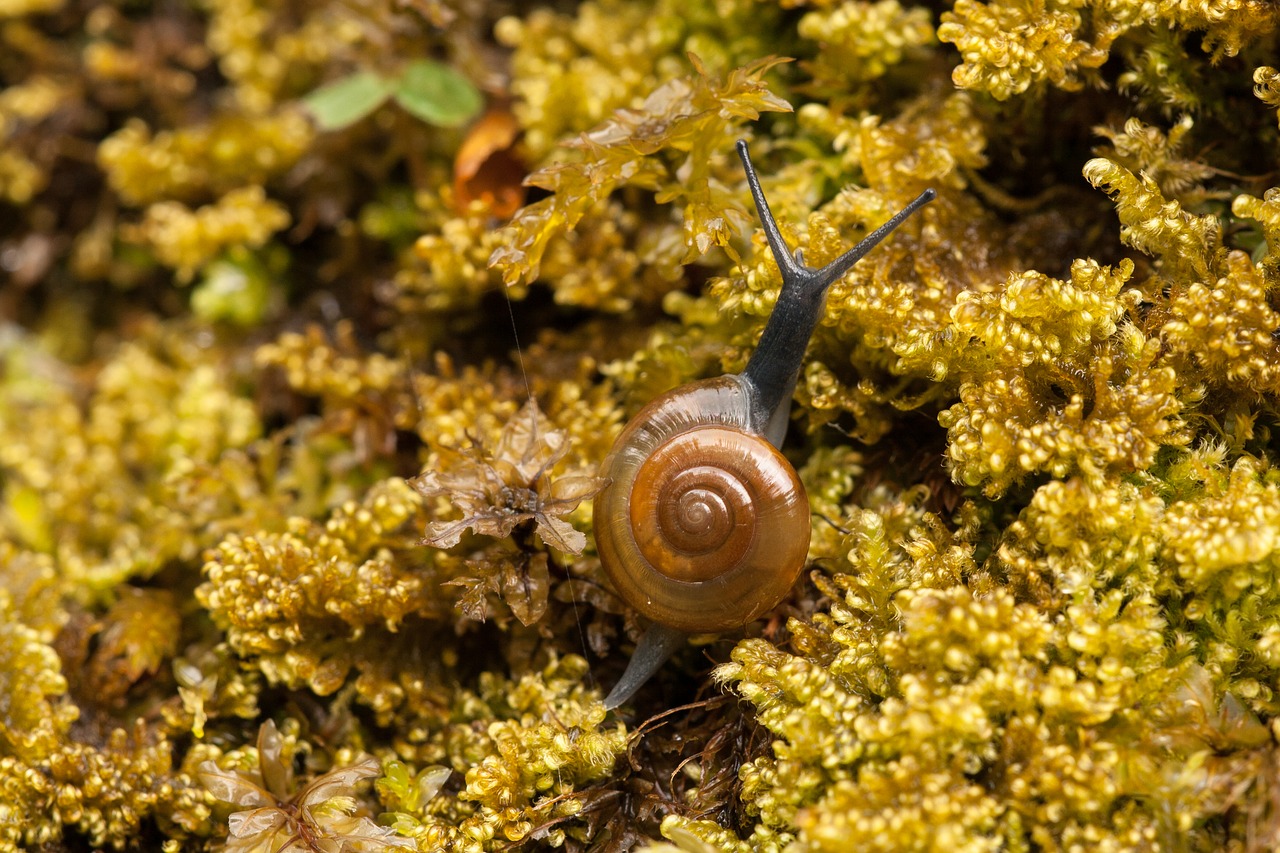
344 102
437 94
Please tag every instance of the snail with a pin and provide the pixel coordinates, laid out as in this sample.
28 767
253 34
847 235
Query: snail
704 525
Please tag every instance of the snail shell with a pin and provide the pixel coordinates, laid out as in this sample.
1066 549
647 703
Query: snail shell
704 525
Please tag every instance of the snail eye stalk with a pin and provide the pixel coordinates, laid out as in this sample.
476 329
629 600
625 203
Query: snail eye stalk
775 364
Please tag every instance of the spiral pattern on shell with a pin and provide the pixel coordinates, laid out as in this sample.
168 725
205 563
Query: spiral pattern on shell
704 525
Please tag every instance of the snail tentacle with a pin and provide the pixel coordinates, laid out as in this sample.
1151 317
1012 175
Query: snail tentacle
789 265
775 365
656 645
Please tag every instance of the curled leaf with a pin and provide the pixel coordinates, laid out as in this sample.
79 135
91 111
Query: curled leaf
319 816
230 786
487 168
499 490
525 585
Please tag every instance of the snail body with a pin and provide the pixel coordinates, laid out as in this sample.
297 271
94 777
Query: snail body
704 525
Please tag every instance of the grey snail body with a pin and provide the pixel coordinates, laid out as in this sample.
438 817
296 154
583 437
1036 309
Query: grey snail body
704 525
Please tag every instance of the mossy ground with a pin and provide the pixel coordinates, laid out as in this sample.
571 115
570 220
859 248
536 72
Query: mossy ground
264 273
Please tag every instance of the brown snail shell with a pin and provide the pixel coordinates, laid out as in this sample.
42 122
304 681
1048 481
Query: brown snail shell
704 525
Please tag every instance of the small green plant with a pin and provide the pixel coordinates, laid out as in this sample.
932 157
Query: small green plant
430 91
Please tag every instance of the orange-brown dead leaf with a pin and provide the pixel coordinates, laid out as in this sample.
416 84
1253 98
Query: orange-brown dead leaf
487 167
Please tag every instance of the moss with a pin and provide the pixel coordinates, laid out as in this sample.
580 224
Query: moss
1036 426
